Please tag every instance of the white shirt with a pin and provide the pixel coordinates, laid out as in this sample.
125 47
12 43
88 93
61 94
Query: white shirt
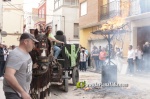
131 54
139 54
82 57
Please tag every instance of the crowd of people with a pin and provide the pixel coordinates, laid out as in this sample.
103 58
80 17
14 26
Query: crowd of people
138 59
4 52
98 56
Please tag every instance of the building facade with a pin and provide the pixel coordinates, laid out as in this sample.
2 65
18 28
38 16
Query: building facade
41 20
66 18
93 15
139 19
13 16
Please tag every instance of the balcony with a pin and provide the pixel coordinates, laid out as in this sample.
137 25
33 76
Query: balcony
59 3
110 10
139 7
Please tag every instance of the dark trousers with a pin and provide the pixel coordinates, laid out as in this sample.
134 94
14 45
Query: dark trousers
2 65
130 66
10 95
83 66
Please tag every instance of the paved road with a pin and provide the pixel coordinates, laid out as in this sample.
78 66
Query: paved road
138 88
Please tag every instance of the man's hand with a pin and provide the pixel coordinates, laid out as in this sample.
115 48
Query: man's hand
25 95
35 65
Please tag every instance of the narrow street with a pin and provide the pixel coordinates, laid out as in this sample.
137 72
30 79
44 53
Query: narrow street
137 89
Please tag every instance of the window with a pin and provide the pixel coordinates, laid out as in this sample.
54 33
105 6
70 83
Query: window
76 30
74 2
58 3
40 13
67 2
83 8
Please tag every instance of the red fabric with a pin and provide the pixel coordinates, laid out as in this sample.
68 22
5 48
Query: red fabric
102 55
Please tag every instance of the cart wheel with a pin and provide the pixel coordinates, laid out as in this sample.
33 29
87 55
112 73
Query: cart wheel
66 82
75 76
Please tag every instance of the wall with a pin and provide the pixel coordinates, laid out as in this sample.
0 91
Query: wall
70 17
93 13
12 21
84 35
11 40
49 10
134 25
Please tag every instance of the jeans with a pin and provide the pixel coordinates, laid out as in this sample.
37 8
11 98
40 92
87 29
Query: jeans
56 51
97 64
10 95
100 64
83 66
130 66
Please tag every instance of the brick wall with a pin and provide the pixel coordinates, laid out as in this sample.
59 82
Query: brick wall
93 13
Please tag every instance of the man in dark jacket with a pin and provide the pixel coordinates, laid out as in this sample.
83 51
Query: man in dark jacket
146 55
1 61
61 37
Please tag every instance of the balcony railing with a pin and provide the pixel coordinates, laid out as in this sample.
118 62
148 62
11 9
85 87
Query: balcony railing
139 6
110 10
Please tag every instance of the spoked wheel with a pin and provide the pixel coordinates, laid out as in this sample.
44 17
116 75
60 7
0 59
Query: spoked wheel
75 76
65 82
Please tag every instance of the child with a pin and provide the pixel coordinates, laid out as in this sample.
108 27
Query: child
83 57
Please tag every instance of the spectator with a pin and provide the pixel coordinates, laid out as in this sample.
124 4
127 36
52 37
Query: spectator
102 56
83 58
138 54
94 55
131 58
1 61
13 47
146 56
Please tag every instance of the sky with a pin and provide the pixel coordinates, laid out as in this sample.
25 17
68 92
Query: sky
29 4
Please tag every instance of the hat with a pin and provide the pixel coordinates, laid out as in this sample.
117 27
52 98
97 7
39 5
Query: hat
28 36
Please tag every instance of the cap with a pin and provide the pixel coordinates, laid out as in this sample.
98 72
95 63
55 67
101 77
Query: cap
28 36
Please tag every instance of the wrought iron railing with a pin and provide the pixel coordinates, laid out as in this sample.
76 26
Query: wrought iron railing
110 10
139 6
